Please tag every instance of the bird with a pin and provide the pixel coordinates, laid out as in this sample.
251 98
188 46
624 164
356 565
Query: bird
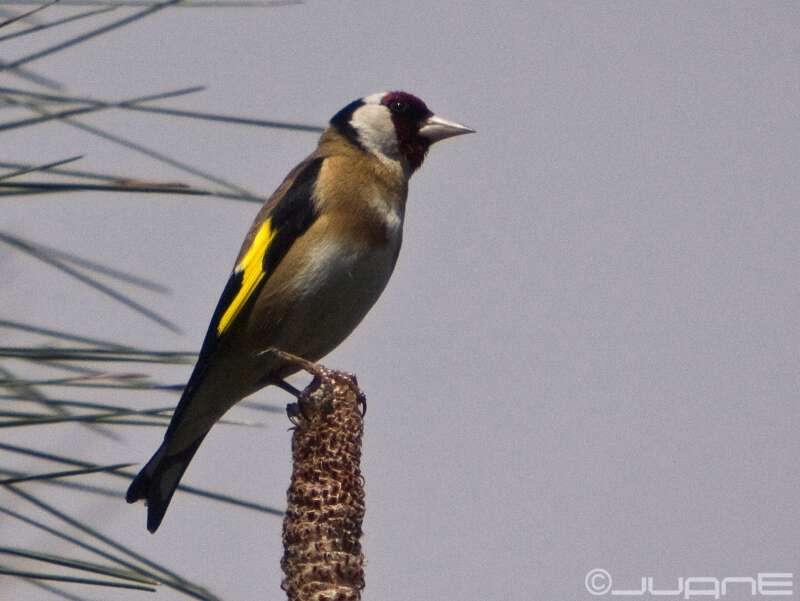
318 255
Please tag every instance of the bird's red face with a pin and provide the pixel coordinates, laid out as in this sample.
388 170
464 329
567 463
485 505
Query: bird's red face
408 114
395 126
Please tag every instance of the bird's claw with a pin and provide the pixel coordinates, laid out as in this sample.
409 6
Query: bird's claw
361 399
294 413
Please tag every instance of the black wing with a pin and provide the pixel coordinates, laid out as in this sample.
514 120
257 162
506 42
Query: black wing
283 219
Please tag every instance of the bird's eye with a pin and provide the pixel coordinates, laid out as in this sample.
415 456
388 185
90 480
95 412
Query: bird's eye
398 106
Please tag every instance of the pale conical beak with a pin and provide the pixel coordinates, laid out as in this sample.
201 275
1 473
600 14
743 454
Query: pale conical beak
435 128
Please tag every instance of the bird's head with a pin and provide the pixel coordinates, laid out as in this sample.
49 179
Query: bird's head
394 125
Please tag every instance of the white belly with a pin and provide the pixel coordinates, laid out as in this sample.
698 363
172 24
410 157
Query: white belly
335 289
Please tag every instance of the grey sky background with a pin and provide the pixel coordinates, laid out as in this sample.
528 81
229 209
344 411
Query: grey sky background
588 354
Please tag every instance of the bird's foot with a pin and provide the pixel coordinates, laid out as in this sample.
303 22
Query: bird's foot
294 413
284 385
304 364
362 399
323 377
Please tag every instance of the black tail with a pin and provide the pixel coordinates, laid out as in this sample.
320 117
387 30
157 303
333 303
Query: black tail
157 481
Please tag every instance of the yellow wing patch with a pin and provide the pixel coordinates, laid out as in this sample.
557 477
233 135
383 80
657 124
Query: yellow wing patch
252 264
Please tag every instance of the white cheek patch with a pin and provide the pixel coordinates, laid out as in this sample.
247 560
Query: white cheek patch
373 123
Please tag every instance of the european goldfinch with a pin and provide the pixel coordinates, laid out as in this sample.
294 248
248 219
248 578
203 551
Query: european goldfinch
315 260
